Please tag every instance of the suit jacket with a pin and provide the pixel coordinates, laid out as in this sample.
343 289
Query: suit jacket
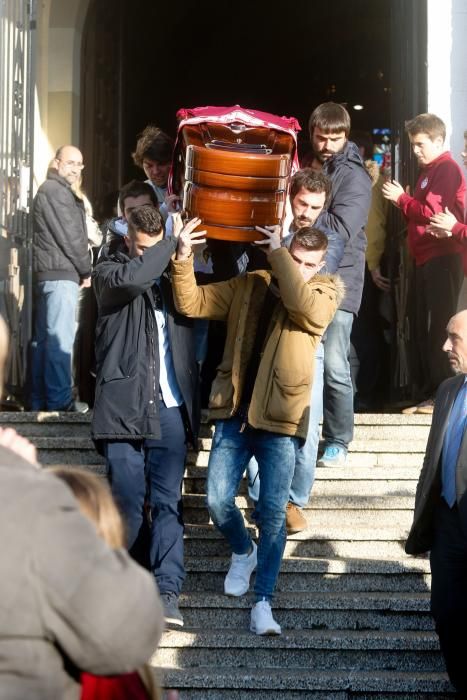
429 486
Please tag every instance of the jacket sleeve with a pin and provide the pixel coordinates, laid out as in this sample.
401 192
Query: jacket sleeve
310 306
347 214
211 301
376 227
98 605
460 231
118 283
444 186
335 249
63 219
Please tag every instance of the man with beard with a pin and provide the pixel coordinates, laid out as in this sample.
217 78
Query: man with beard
346 214
438 261
440 517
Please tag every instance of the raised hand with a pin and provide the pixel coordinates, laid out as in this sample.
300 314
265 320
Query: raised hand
442 223
273 237
392 190
188 237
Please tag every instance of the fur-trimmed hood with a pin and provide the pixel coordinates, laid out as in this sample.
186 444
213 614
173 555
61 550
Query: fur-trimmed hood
373 170
336 281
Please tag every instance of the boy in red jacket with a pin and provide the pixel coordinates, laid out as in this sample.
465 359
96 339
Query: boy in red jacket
438 261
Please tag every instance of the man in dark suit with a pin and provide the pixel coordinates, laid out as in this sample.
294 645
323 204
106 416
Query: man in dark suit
440 518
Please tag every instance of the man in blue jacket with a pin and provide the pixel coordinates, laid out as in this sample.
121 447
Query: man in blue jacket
147 400
346 214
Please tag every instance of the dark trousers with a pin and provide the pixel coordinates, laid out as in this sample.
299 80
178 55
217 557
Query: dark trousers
367 337
151 471
437 286
448 559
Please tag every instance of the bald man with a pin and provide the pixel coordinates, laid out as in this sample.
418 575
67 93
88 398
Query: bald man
61 266
440 518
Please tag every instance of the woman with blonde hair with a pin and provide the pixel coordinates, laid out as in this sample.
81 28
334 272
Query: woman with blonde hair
96 503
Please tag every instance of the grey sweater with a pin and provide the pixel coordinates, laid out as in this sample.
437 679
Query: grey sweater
66 599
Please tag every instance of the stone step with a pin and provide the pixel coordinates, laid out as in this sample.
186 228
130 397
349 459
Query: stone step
366 549
276 684
313 610
195 511
373 484
300 574
351 501
360 419
358 460
330 649
64 441
334 533
348 472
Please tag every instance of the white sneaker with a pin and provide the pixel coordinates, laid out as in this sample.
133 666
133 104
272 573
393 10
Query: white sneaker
237 581
262 621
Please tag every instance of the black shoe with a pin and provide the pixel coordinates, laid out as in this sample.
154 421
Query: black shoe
172 614
75 407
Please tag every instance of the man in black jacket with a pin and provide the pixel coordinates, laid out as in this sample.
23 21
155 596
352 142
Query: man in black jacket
146 403
346 213
61 266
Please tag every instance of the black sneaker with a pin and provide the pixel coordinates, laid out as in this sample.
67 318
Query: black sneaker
172 614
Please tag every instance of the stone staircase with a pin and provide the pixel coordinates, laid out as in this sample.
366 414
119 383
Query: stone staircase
353 607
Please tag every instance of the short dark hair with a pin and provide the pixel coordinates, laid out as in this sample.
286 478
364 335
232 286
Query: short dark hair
428 124
145 219
312 181
136 188
310 238
331 118
153 144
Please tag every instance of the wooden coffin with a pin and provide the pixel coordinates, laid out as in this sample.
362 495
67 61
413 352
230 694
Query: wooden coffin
234 177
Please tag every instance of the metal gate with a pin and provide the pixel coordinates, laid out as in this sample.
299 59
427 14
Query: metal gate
17 93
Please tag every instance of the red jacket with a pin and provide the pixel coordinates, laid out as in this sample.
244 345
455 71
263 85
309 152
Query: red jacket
440 184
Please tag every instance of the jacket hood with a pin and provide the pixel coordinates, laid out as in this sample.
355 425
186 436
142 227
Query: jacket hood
116 251
349 154
330 282
373 170
118 226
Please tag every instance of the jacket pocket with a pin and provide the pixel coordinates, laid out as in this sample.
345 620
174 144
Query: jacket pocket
115 374
222 390
289 397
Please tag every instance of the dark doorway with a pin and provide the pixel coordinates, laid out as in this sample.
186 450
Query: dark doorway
198 53
162 57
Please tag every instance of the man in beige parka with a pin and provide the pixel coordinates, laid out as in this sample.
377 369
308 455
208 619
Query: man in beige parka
260 397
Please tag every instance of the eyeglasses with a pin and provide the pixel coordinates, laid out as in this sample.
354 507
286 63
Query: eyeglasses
72 164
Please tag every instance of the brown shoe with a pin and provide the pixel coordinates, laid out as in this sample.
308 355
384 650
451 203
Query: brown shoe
295 521
423 407
426 406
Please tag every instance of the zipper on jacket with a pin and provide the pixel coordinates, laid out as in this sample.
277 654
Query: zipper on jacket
153 365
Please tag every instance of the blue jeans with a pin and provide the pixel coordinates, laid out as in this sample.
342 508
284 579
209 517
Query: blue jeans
275 454
52 345
338 417
152 471
305 456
